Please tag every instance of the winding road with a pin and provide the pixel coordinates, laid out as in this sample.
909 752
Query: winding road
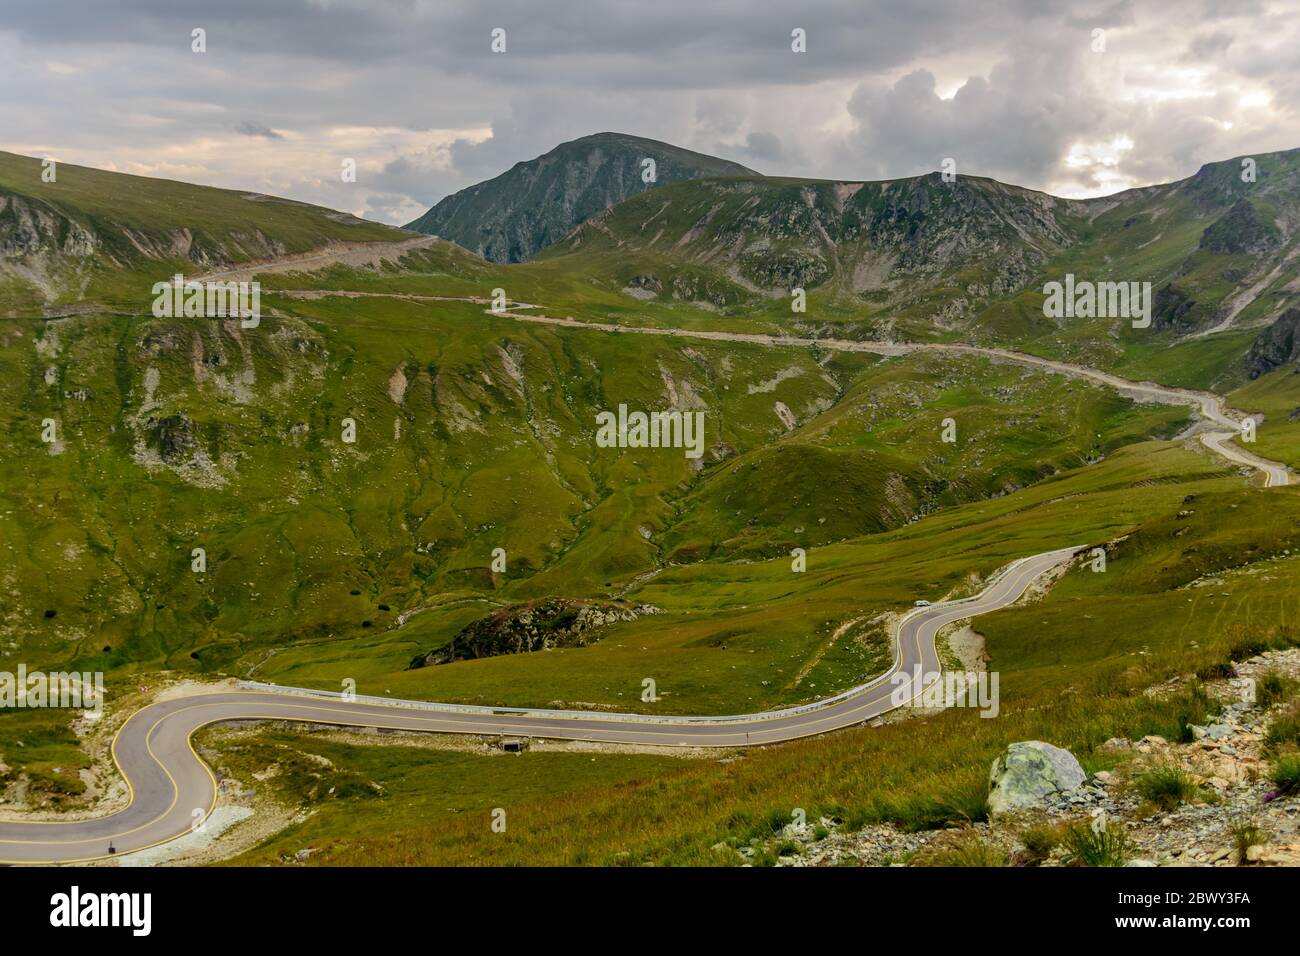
171 790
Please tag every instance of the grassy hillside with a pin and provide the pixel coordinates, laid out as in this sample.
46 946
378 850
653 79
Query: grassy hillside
1187 588
95 235
1277 397
473 432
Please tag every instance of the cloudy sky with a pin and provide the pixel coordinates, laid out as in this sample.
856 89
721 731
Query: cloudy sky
1078 98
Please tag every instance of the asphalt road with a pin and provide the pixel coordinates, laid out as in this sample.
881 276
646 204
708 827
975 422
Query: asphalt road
1275 474
172 790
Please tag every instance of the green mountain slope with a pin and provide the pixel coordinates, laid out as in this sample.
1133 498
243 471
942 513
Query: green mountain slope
919 246
923 258
91 232
1222 254
536 203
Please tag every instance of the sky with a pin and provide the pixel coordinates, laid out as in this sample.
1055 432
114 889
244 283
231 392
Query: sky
1075 98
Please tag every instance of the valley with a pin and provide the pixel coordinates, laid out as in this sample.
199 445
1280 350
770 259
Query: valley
902 446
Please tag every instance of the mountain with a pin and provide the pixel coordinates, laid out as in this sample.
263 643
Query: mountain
881 242
921 257
1220 248
63 240
535 203
473 431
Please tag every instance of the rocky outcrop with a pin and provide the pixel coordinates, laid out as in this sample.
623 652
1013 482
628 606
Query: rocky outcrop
1030 773
172 437
1171 308
693 287
1241 231
1276 346
28 227
31 228
526 628
784 269
646 283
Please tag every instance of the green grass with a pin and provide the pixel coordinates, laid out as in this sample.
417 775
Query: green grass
1105 846
1273 687
1166 787
943 780
966 850
40 745
1284 730
410 522
357 793
1212 362
1246 832
1039 841
917 774
739 636
1277 396
1286 773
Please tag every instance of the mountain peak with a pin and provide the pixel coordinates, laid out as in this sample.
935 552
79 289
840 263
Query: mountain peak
538 202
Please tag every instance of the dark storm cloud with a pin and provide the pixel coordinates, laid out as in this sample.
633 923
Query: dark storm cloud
411 91
670 41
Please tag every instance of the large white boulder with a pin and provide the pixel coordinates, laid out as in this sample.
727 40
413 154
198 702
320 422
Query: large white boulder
1029 773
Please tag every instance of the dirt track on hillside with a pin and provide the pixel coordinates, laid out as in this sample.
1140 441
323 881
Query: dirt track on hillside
1209 406
357 254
